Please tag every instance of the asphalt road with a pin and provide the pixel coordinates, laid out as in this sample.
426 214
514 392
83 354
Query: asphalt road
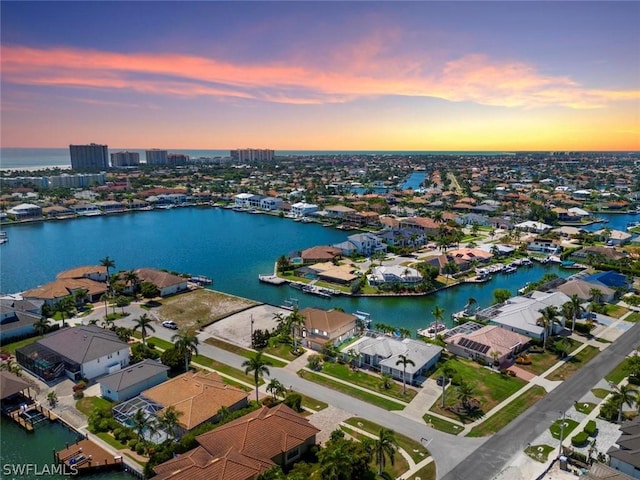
493 456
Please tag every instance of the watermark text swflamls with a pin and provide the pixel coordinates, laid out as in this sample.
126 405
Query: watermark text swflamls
34 470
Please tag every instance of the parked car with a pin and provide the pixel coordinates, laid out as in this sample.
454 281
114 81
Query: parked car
170 324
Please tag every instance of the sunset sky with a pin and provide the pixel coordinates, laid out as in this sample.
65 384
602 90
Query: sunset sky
322 75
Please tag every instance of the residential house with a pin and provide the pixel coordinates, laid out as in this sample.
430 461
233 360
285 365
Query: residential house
97 273
383 353
394 274
244 448
53 292
17 317
625 457
521 314
362 219
598 251
339 212
327 271
489 344
129 382
535 227
25 211
424 225
79 352
57 211
241 200
196 396
583 290
614 237
111 206
473 219
270 203
367 243
544 245
167 283
302 209
320 254
87 209
610 278
327 326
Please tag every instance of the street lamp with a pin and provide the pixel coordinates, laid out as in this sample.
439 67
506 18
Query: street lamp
561 433
251 338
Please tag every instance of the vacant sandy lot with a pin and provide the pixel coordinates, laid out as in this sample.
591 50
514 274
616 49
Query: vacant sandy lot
201 307
236 328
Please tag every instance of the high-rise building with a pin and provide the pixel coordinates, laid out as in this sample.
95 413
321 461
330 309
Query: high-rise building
252 155
125 159
175 159
156 156
89 157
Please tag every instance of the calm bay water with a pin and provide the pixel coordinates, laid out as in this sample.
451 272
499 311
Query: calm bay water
230 247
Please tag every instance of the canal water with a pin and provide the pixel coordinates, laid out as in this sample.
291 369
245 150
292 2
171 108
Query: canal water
614 221
230 247
20 449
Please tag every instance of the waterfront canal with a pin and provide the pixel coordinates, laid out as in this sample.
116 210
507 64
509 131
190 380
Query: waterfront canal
231 248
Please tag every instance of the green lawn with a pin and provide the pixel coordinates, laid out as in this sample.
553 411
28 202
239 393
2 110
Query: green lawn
634 317
366 380
600 392
620 372
539 453
428 472
280 350
556 428
510 411
490 388
11 347
88 404
238 350
312 403
160 343
584 407
400 465
415 449
107 437
224 368
540 362
442 425
352 391
573 364
615 311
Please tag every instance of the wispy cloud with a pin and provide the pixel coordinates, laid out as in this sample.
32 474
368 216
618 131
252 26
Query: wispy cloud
372 72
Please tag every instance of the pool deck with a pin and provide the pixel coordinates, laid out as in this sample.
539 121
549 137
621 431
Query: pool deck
86 455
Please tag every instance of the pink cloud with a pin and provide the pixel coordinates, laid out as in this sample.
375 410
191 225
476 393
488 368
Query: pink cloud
372 71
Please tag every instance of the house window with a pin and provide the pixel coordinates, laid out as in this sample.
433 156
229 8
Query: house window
292 454
110 355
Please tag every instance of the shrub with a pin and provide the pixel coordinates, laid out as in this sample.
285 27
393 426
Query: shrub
582 328
579 439
634 380
78 394
294 401
133 443
151 345
140 448
590 428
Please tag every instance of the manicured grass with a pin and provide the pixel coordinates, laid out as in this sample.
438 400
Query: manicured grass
415 449
107 437
442 425
584 407
280 350
542 361
615 311
600 392
366 380
539 453
573 364
428 472
11 347
399 466
160 343
634 317
312 403
87 405
238 350
620 372
223 368
490 388
510 411
556 428
348 390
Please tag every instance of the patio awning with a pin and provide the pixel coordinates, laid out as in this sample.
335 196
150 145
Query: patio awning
10 384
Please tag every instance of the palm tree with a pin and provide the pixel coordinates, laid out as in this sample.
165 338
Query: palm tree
625 394
295 322
465 394
223 413
276 388
65 306
108 263
105 297
143 324
140 423
131 278
404 360
41 326
437 313
596 295
549 315
385 446
258 366
576 306
169 420
186 342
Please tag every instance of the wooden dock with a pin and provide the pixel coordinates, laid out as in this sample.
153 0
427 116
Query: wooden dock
87 457
15 416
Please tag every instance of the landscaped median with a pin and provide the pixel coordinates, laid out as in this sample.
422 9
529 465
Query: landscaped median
243 352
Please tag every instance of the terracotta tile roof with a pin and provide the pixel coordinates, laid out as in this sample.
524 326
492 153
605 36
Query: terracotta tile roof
326 320
65 286
263 434
198 396
498 339
159 278
320 253
81 272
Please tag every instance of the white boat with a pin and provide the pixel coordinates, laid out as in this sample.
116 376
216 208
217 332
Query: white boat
510 269
290 304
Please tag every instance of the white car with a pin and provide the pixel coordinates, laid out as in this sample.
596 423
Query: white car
170 324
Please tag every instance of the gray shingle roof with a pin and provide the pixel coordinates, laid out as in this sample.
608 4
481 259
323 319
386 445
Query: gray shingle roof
133 375
83 344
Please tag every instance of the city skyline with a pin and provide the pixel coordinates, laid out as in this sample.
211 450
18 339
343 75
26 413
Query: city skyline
322 76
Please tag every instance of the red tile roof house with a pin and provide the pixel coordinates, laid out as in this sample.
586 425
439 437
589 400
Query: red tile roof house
244 448
326 326
490 343
167 283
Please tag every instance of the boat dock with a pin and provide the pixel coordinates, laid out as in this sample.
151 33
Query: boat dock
200 280
85 456
272 279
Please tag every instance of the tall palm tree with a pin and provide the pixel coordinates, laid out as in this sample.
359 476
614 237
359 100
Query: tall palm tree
105 297
404 360
276 388
108 263
465 394
169 419
65 306
140 422
41 326
596 295
295 322
258 365
438 313
625 394
186 342
143 324
549 315
386 445
576 306
131 278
